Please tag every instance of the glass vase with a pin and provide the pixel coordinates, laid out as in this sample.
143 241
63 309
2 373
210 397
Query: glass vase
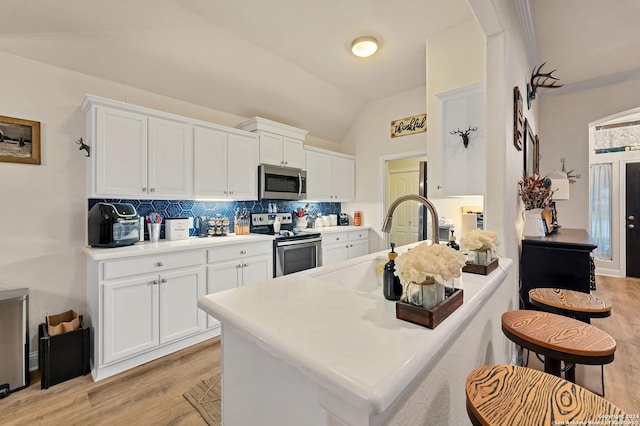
426 294
479 257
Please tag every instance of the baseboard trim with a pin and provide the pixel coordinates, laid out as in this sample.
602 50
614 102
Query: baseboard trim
608 272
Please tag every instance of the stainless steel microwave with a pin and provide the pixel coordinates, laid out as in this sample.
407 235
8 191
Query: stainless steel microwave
281 183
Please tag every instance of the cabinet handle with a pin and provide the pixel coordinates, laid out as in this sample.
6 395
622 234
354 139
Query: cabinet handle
632 226
159 264
439 187
163 280
144 189
154 282
243 252
244 265
286 162
231 192
152 190
238 266
631 218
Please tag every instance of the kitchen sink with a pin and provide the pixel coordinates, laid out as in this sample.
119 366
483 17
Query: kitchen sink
364 276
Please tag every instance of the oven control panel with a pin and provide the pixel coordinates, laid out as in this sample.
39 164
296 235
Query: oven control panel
263 219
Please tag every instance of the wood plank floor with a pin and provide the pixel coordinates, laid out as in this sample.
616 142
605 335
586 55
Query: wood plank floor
152 393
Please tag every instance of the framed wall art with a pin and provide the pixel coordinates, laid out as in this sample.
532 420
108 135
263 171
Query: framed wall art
531 152
518 119
19 140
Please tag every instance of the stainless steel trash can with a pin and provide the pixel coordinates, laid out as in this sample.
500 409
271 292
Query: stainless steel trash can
14 335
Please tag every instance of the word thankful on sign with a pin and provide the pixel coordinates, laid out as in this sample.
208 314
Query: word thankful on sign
409 125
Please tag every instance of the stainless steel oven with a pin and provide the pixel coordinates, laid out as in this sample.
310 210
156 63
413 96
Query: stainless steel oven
281 183
294 255
293 251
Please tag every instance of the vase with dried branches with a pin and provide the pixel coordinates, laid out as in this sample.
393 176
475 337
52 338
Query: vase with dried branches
536 194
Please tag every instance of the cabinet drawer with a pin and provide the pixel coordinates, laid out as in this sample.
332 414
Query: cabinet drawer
358 235
217 254
113 269
335 238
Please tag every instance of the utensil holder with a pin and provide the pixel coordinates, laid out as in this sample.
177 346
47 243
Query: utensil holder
154 231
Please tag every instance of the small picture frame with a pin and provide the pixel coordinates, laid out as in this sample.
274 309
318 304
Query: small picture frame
530 151
19 140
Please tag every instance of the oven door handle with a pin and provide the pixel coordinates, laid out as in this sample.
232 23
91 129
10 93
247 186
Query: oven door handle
298 242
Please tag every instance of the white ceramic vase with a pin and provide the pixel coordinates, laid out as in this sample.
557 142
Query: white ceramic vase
533 223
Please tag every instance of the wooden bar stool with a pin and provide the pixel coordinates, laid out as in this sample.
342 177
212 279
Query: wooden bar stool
574 304
558 338
506 395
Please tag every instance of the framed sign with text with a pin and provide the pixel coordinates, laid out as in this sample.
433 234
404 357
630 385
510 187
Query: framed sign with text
409 125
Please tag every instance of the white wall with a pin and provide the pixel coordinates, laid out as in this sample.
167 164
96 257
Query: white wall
43 210
564 132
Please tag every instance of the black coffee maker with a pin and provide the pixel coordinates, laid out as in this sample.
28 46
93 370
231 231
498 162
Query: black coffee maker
343 219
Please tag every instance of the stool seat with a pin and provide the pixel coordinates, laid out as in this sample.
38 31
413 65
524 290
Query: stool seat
570 303
511 395
558 338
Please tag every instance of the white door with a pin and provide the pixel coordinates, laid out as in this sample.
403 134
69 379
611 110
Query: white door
405 217
256 269
335 253
209 163
121 153
270 149
358 248
179 312
293 153
343 178
222 276
170 158
319 176
130 316
242 169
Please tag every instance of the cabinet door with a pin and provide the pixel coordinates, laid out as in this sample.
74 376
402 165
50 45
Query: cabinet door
170 158
293 153
210 163
256 269
358 248
179 312
222 276
270 148
242 169
319 176
130 316
121 153
343 178
335 253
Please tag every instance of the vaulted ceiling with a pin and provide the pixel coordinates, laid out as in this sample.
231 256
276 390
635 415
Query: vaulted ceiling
290 60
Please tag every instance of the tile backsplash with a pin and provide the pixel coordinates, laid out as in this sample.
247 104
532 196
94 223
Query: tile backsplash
191 208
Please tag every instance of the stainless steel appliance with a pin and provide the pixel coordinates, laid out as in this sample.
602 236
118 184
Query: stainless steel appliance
113 225
14 335
293 250
281 183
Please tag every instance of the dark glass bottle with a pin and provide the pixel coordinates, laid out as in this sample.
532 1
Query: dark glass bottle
391 286
452 242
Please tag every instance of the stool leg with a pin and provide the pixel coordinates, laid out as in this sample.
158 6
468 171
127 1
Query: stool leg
552 366
570 373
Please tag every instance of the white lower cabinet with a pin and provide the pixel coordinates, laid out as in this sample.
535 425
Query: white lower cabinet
344 245
234 266
145 307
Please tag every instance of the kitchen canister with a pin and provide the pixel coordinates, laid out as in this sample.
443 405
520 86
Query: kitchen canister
357 218
333 220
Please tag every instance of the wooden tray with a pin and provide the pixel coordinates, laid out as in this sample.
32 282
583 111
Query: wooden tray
430 318
480 269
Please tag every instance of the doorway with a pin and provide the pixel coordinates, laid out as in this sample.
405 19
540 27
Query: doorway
632 219
402 177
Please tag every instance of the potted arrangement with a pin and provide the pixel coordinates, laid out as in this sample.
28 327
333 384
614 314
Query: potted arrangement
425 269
479 245
536 195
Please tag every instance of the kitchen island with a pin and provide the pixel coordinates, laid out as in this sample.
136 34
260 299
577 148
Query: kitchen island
323 346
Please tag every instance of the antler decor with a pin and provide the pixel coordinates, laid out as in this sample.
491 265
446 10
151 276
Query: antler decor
540 79
84 146
464 134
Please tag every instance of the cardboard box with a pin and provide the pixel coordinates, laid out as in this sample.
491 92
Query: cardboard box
62 323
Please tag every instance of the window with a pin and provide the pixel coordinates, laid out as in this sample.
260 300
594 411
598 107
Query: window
601 209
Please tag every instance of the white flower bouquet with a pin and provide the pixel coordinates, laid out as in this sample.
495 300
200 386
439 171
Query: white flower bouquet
423 261
479 239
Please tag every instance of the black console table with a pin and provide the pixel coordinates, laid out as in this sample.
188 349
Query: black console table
560 260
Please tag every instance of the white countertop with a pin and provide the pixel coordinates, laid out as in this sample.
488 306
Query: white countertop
348 341
335 229
165 246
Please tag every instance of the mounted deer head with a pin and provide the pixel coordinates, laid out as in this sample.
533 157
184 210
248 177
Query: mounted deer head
464 134
540 79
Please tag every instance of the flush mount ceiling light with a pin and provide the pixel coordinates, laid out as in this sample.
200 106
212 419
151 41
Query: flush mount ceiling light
364 46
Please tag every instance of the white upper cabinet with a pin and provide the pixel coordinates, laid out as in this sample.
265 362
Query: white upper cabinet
462 169
280 144
225 165
330 176
142 153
